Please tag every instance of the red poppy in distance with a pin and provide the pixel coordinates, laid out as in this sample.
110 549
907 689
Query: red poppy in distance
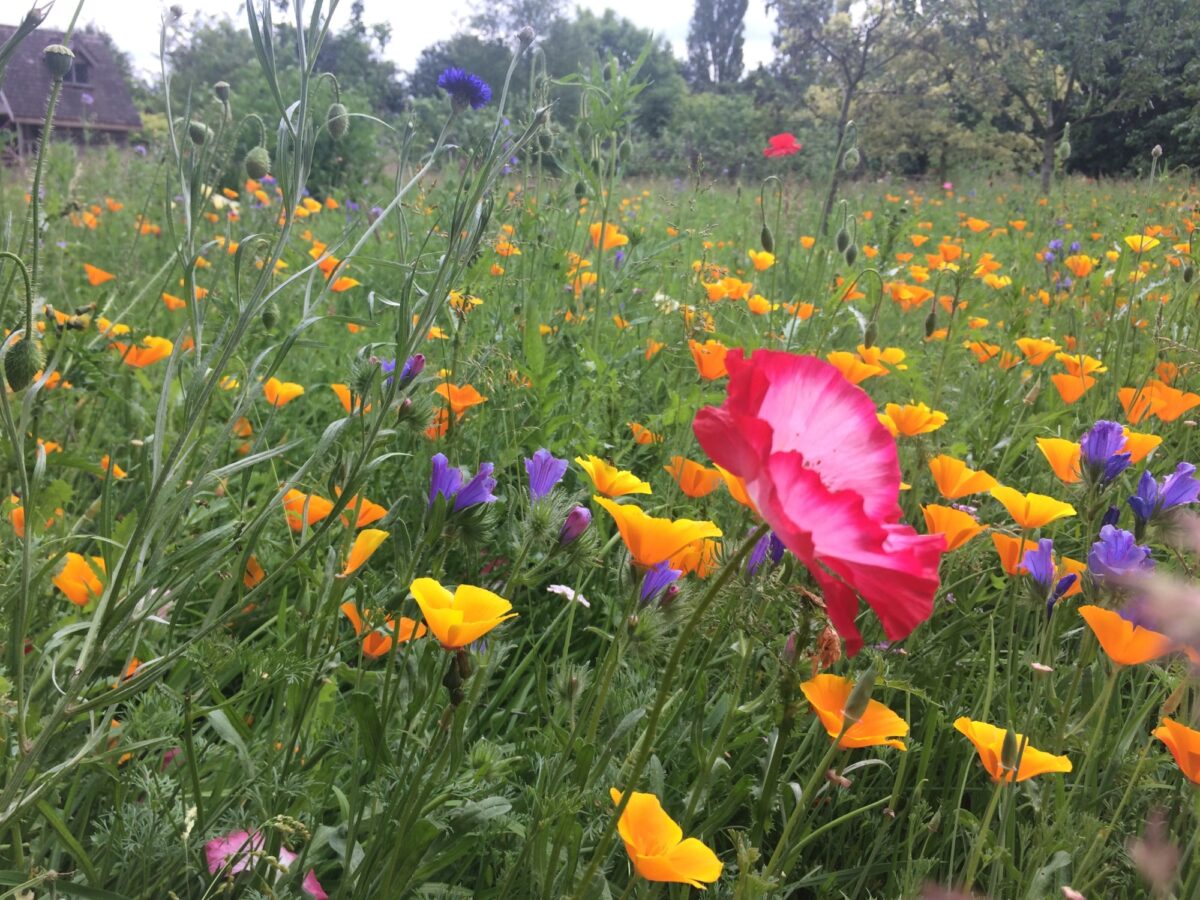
782 145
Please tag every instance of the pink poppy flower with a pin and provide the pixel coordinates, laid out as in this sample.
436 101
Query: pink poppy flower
238 850
782 145
824 474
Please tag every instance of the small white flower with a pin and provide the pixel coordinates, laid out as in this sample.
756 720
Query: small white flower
570 593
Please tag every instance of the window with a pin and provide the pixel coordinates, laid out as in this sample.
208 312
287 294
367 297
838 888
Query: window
79 73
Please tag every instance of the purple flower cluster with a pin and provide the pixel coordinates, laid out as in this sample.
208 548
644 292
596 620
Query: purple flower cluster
1039 562
448 482
657 579
1100 452
1153 499
1117 555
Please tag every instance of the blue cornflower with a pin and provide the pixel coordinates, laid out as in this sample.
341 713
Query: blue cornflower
545 470
1100 452
1116 555
465 88
657 579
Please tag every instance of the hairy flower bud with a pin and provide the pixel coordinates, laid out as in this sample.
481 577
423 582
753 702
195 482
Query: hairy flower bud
767 239
1189 272
851 254
842 240
624 151
221 89
337 120
1156 151
931 322
850 159
257 162
58 59
871 334
22 363
198 132
526 35
583 130
576 523
270 315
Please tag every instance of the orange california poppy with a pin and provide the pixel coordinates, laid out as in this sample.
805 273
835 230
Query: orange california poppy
1063 456
651 540
368 513
643 435
95 276
878 726
693 479
853 368
656 846
1184 744
700 558
151 350
612 236
78 579
253 574
955 480
281 393
957 526
350 403
1037 350
459 398
1139 445
111 468
366 542
989 742
1125 643
305 509
709 358
1031 510
463 617
378 641
1072 387
172 302
611 481
1011 551
912 419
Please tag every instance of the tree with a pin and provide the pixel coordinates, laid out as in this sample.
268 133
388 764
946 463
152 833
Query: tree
499 20
1075 62
715 40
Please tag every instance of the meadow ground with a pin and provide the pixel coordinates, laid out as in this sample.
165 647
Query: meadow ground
269 427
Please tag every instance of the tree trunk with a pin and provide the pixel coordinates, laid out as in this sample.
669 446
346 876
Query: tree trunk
1047 159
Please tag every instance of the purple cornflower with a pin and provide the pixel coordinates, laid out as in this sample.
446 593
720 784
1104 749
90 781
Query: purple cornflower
1116 555
1039 563
1075 247
618 259
576 523
1177 489
465 89
1100 452
657 579
478 489
545 470
768 545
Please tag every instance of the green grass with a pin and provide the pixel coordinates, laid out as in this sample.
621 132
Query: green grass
275 721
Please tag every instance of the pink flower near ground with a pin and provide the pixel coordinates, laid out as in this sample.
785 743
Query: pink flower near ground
238 851
824 474
782 145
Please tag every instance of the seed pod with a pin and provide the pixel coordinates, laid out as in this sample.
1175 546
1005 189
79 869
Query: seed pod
767 239
58 59
22 363
258 162
583 130
851 159
526 35
270 315
221 89
871 334
851 254
842 240
1156 151
337 120
198 132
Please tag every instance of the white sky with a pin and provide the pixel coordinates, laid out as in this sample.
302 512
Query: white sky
134 24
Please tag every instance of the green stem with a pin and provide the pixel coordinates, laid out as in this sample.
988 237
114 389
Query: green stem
984 831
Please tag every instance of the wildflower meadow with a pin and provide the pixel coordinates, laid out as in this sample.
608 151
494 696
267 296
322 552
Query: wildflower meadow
513 526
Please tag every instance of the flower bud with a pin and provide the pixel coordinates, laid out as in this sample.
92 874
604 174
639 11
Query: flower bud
851 254
791 648
198 132
270 315
870 335
931 322
583 130
842 240
1189 272
1156 152
767 239
58 59
624 151
337 120
221 89
576 523
580 190
526 35
258 162
413 366
545 142
851 159
22 363
856 703
1008 751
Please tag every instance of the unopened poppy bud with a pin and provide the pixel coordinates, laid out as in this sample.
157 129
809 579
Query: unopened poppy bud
545 142
258 162
22 363
856 703
452 682
1189 272
931 322
1008 751
221 89
577 522
198 132
58 59
851 254
583 130
526 35
337 120
1156 152
870 334
851 159
580 190
767 239
842 240
624 151
270 315
37 15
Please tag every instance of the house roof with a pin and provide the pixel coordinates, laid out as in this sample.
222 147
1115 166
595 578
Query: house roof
27 86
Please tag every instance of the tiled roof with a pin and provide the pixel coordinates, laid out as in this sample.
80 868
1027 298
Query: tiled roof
27 86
